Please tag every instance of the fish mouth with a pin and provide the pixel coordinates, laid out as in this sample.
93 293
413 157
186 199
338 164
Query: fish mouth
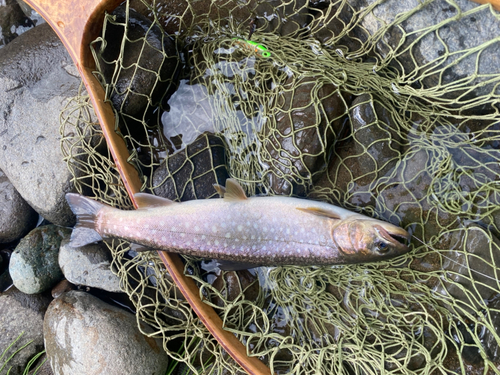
396 236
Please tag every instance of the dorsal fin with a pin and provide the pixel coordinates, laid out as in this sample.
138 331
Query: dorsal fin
220 189
234 191
319 212
145 200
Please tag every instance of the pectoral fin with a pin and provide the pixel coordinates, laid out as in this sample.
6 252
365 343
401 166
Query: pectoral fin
145 200
320 212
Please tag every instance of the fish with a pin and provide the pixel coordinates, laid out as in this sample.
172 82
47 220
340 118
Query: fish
242 232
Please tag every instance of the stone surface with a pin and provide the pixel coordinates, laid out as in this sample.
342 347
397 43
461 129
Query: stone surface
191 173
17 217
89 266
37 77
33 265
84 335
489 341
297 148
147 50
21 313
457 33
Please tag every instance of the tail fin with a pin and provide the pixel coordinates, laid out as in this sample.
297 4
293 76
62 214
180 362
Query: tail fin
85 210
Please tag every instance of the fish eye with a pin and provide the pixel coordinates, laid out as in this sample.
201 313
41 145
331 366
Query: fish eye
381 247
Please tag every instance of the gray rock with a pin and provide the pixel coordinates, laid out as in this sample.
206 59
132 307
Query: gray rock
21 313
458 33
84 335
33 265
89 266
17 218
37 77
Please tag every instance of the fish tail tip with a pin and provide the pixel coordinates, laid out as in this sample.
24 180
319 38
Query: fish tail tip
85 210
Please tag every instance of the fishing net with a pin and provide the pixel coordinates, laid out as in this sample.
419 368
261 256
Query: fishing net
385 108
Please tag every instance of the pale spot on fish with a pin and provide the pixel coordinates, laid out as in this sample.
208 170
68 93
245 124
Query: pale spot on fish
197 228
214 228
253 247
240 228
195 239
203 236
126 228
287 230
252 237
173 229
120 219
145 226
183 234
302 230
228 235
163 239
216 242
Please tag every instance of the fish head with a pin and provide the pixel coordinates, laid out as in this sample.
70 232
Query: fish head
368 240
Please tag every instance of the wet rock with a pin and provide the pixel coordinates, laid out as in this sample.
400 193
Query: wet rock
191 173
13 22
298 147
334 24
236 285
33 266
84 335
195 13
471 266
146 51
17 218
282 17
490 343
364 155
89 266
21 313
37 77
458 32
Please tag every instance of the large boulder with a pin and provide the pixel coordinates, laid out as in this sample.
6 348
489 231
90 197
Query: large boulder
84 335
37 78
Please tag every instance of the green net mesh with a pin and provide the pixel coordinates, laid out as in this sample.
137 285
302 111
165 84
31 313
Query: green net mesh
379 107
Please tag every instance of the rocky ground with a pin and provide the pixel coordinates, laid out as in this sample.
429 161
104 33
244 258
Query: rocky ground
60 299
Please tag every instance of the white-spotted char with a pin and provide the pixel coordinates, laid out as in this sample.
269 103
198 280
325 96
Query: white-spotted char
257 231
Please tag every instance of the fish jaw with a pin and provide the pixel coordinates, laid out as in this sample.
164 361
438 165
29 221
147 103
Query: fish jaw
366 240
